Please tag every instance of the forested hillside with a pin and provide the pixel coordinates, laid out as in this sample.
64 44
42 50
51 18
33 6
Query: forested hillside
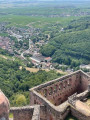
72 45
14 81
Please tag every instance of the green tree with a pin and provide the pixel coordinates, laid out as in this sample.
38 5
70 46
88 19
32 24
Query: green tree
20 100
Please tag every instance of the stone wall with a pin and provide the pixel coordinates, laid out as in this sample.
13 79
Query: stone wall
79 109
59 90
4 107
48 110
36 113
53 95
72 99
26 113
78 115
85 81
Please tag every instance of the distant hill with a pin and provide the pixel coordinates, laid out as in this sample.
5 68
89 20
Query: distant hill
72 44
15 3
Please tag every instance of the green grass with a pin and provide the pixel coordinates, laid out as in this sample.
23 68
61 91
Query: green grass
10 115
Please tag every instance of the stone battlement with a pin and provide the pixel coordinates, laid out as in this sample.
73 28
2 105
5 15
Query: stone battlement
21 108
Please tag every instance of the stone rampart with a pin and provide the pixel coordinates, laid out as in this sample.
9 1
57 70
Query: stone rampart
26 113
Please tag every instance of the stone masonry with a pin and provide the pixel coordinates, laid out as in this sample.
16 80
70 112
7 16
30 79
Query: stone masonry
26 112
54 100
4 107
54 95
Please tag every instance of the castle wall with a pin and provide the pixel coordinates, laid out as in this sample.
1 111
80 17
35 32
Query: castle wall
78 115
60 90
85 81
53 94
26 113
22 113
37 100
4 107
78 108
47 110
56 115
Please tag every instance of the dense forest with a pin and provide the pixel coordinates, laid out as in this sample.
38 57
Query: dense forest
72 45
14 81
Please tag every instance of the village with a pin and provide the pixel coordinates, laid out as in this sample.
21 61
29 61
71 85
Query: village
6 44
18 42
21 34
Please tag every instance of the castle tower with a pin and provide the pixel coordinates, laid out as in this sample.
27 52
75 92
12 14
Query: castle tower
4 107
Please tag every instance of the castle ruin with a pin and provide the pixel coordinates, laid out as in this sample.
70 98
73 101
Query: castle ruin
55 99
61 96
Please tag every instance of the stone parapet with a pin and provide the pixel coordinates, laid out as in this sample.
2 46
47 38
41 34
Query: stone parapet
37 88
83 95
26 112
13 109
36 113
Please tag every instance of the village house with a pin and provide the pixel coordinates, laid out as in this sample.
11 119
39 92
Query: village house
48 59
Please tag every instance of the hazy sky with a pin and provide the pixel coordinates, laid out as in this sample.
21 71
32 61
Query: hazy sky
44 0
